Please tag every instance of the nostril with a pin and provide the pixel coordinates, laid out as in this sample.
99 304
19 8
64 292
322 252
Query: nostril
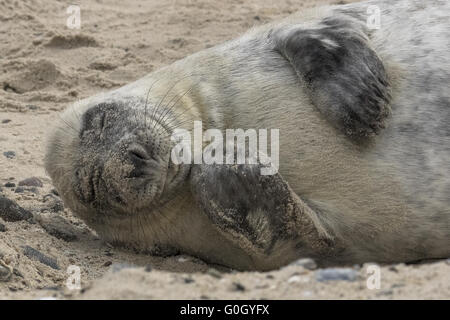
138 155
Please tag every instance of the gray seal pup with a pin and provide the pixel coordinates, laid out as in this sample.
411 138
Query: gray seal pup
364 145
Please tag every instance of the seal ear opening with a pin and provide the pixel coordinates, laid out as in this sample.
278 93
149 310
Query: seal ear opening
345 78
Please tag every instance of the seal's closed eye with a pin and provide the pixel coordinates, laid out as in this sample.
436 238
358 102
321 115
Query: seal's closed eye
345 78
95 118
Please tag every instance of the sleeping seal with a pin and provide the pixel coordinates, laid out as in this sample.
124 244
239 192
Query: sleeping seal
364 145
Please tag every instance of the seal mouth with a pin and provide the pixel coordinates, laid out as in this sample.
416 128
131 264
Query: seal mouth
172 172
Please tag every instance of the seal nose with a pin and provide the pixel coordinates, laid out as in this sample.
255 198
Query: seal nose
138 156
143 164
139 160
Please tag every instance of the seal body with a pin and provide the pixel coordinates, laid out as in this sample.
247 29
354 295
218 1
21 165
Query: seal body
364 144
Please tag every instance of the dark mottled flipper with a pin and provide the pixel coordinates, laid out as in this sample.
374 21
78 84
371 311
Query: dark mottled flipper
345 78
257 212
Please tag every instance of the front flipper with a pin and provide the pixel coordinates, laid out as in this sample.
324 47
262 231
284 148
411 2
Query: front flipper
345 78
258 213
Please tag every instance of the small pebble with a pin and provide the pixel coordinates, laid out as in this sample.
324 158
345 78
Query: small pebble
31 182
5 274
182 259
116 267
10 185
34 190
53 203
17 273
214 273
393 269
148 268
188 280
107 263
20 190
9 154
385 293
2 227
236 286
294 279
306 263
58 227
447 262
10 211
331 274
307 294
34 254
6 120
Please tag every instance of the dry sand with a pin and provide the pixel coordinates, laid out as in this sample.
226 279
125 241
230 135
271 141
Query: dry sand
46 66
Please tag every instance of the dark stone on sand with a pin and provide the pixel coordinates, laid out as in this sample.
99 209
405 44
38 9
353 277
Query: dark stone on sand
53 203
236 286
188 280
58 227
31 182
10 211
36 255
334 274
9 154
5 274
19 190
107 263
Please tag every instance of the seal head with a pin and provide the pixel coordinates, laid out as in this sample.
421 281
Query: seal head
120 161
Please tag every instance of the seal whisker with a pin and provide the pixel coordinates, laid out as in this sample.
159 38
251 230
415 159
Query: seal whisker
76 114
67 124
154 113
187 120
146 103
178 115
168 110
171 129
141 225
